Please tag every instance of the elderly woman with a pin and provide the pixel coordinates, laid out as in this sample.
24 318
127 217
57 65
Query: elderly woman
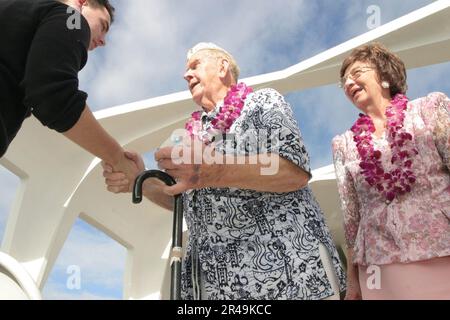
253 234
392 170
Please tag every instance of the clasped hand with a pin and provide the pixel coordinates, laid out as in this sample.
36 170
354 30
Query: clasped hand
190 164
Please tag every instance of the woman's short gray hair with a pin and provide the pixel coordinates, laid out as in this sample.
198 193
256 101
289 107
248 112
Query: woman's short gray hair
216 52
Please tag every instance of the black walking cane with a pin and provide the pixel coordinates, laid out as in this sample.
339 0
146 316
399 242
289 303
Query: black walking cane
177 231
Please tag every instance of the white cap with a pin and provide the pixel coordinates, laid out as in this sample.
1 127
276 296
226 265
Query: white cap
204 46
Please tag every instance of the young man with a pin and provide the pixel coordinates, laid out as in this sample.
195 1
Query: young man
44 44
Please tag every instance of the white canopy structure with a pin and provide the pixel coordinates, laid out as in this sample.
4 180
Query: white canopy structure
61 182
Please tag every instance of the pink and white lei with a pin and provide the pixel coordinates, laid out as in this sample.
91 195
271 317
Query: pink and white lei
228 113
399 180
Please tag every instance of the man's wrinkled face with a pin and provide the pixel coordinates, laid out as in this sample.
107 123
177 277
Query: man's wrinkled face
201 71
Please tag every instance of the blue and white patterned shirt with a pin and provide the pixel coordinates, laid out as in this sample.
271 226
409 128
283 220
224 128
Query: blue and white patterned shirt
245 244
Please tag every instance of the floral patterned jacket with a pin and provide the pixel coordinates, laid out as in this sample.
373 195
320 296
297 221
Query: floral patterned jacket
245 244
415 226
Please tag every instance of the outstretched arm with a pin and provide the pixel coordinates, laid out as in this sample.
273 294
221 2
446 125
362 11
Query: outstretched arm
90 135
51 88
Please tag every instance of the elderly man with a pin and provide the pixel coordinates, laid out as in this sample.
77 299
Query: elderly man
254 233
44 46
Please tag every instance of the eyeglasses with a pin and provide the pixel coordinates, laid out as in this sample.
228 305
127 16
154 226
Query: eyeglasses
354 74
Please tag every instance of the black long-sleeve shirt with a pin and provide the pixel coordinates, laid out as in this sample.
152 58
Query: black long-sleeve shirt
40 57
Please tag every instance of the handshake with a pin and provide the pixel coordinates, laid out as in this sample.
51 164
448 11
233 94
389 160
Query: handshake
120 178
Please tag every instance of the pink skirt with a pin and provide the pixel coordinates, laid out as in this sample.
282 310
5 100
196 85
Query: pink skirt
421 280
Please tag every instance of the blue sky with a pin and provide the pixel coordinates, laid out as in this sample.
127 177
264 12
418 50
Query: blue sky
145 57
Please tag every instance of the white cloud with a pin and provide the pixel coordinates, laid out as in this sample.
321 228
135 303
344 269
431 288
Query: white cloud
147 47
356 14
101 260
145 55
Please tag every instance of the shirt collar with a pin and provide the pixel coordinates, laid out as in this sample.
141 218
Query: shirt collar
208 116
